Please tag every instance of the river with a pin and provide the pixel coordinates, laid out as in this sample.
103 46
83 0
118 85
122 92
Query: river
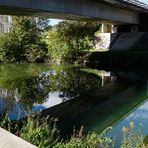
76 95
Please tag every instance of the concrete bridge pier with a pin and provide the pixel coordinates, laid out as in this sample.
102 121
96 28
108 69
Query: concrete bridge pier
123 37
121 28
109 28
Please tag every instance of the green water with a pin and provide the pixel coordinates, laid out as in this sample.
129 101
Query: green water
76 95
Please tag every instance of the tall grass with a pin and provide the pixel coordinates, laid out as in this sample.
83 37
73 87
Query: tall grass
44 134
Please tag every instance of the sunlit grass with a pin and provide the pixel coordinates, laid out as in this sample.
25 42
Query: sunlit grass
44 134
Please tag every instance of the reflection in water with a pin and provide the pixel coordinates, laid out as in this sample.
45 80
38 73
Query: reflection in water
138 116
35 89
140 113
76 95
52 101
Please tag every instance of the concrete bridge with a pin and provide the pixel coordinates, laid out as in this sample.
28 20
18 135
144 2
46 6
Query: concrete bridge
115 11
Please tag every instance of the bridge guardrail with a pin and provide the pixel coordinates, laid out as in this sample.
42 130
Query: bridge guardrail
135 3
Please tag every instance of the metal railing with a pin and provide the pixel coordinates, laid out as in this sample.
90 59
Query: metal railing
136 3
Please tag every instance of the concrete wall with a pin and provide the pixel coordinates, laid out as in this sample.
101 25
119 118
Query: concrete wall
104 40
8 140
126 41
69 9
122 41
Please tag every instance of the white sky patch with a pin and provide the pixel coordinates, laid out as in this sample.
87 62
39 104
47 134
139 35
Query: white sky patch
141 112
54 21
144 106
53 99
144 1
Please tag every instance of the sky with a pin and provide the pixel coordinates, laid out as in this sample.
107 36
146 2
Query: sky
54 21
144 1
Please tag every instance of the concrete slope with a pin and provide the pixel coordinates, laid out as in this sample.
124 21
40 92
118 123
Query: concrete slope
8 140
126 41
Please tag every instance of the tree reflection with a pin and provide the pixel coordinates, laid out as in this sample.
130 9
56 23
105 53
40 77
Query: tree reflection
31 85
72 82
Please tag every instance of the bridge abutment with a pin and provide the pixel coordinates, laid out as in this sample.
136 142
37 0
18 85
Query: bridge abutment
124 36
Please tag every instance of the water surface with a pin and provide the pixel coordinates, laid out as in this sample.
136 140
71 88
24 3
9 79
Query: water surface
76 95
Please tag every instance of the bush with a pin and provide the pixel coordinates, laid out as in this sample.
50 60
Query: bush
68 38
9 48
58 50
24 41
40 133
91 140
35 53
44 134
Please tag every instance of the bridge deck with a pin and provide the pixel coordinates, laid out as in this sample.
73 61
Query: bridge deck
114 11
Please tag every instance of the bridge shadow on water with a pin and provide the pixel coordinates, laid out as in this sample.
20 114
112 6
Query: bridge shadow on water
100 108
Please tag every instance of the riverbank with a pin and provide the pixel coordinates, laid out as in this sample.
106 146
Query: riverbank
43 135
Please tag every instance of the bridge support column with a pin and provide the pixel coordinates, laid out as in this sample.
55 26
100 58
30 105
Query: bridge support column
106 28
109 28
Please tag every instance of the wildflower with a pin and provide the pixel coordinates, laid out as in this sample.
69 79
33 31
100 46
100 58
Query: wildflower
132 125
124 129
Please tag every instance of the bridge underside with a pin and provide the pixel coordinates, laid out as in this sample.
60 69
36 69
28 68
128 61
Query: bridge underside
69 9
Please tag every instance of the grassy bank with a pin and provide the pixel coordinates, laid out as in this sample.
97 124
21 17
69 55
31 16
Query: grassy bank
44 135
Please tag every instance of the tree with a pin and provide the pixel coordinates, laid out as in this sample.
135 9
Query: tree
69 37
79 34
25 35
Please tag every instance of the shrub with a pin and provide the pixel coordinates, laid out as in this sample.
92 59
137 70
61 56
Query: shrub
40 133
23 42
35 53
44 134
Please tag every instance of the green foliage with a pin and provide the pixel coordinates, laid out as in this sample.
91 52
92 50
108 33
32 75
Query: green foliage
58 50
43 133
80 35
7 124
24 35
40 133
4 46
69 37
30 83
36 81
35 53
91 140
24 43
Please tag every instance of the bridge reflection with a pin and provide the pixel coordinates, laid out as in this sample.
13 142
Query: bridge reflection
98 109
